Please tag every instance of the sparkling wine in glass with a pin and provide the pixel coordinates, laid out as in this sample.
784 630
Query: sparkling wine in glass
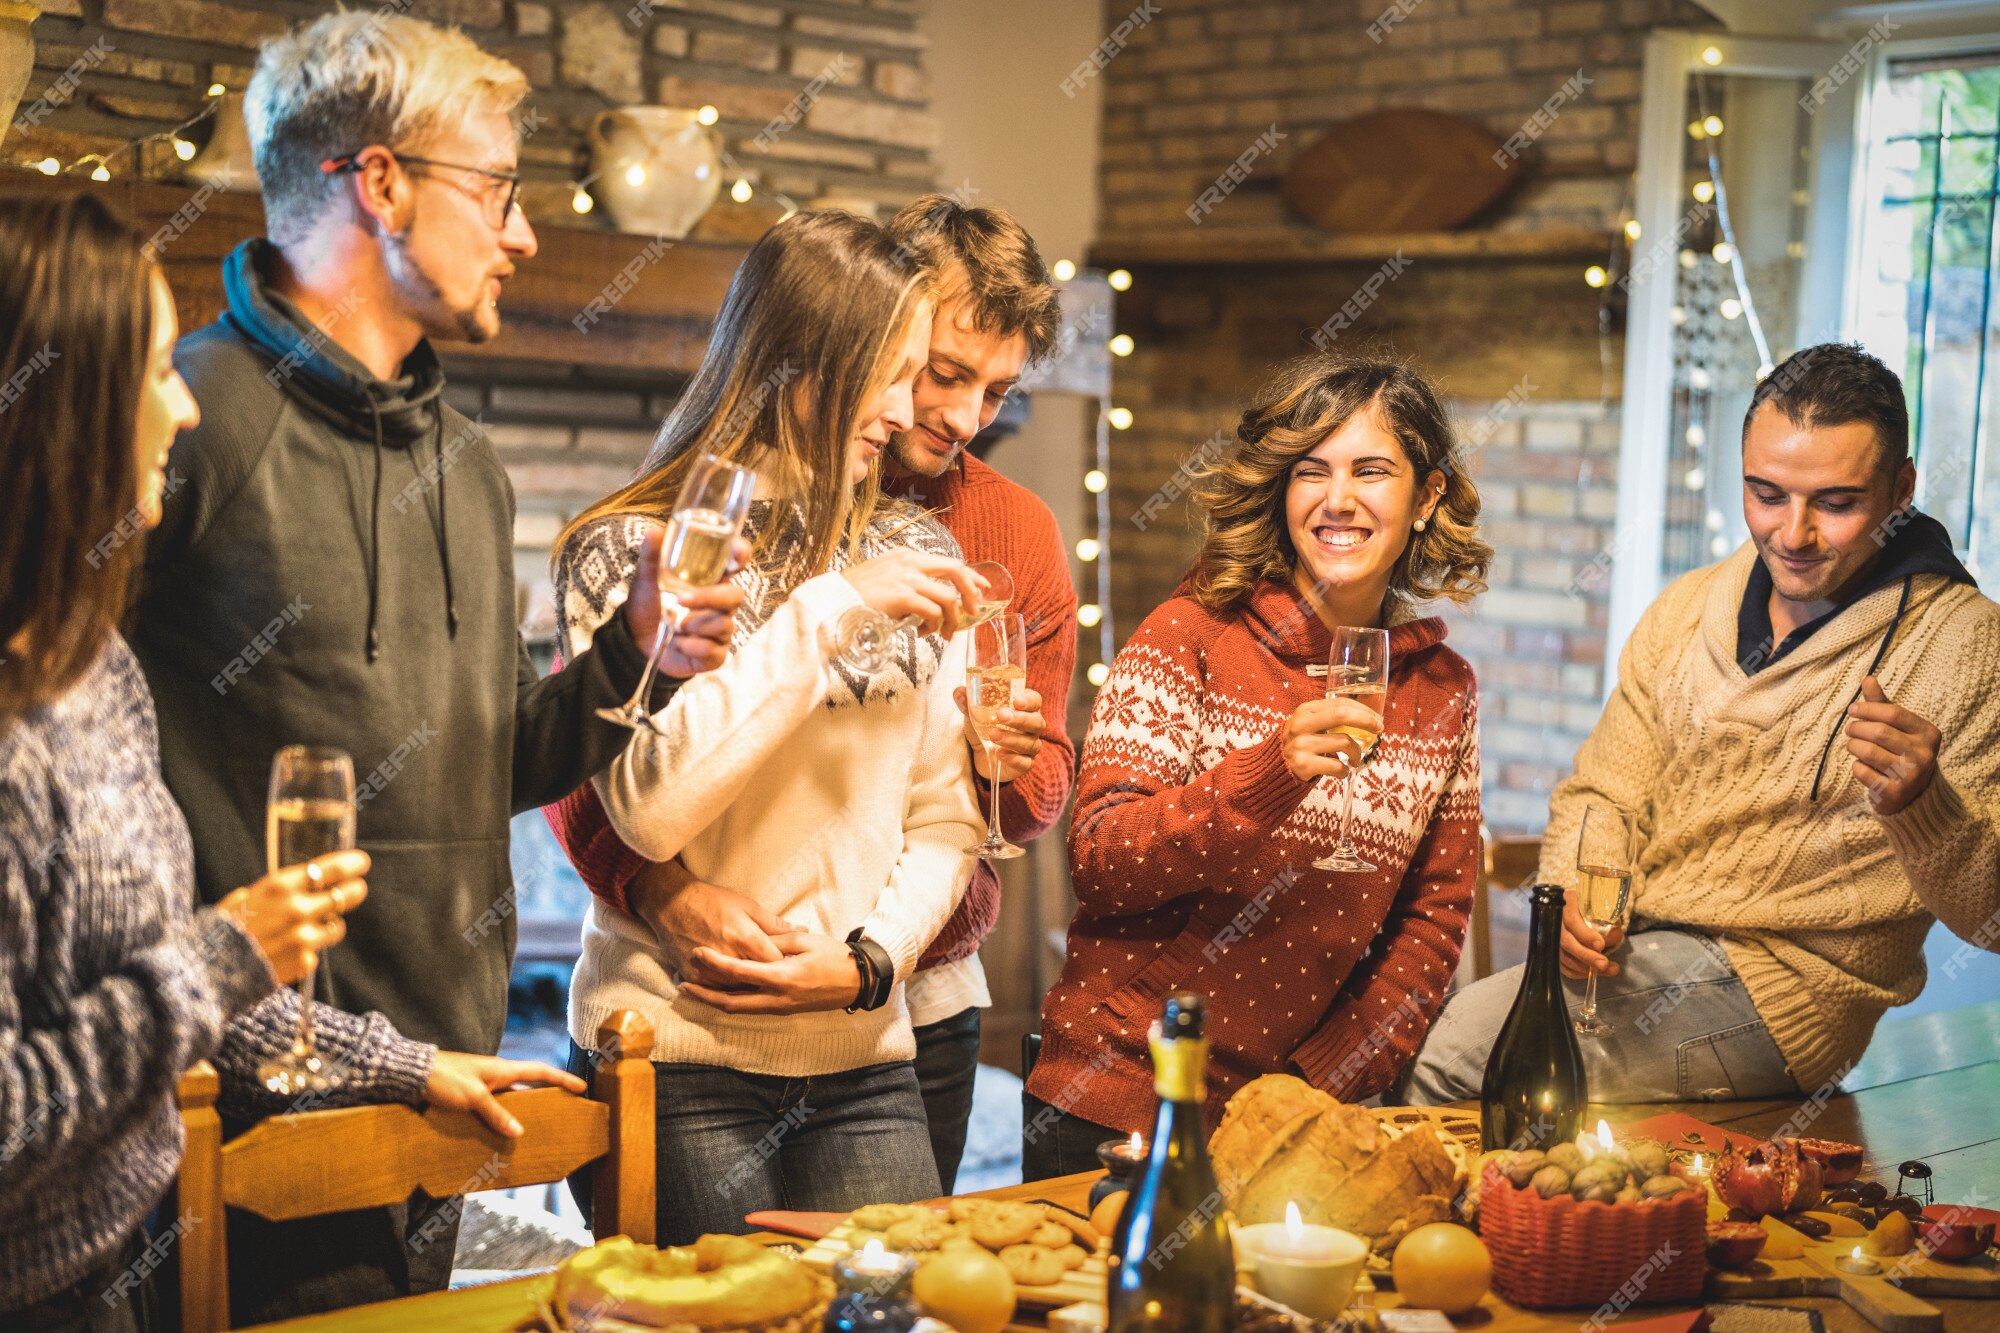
1357 669
866 636
713 504
310 812
1604 854
995 673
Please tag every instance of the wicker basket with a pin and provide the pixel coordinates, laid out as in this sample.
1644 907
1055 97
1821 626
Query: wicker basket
1559 1252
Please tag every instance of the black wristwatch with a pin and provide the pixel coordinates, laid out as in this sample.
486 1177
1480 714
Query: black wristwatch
878 972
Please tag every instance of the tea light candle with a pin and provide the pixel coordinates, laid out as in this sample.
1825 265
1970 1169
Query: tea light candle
1858 1262
1308 1267
1121 1157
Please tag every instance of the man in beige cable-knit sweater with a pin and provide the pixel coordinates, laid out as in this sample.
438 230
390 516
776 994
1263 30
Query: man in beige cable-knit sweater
1808 740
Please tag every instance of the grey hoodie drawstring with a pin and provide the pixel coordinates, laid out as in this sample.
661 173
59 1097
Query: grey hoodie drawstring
1902 604
443 535
375 537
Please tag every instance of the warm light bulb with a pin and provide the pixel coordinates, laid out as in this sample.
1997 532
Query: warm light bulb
48 166
1712 125
1089 549
635 174
1095 481
1695 478
1678 315
183 150
1120 279
708 115
1723 252
1697 435
100 173
1595 276
1062 270
740 192
1121 345
1713 521
216 90
1687 259
1704 191
1699 378
1120 417
1632 229
1695 130
1097 675
1795 249
1731 308
1711 55
581 200
1089 614
1718 546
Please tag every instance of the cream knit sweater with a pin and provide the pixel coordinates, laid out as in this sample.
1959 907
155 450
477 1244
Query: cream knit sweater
1821 906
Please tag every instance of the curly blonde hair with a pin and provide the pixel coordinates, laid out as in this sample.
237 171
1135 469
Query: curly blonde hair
1240 495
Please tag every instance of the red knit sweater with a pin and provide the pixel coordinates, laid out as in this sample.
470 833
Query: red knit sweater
992 518
1191 855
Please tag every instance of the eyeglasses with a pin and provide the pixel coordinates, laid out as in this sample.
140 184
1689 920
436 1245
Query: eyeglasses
496 218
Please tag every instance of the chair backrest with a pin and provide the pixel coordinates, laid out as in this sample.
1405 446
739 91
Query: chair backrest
1506 862
315 1162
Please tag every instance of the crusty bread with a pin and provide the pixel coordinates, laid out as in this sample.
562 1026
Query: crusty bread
1283 1141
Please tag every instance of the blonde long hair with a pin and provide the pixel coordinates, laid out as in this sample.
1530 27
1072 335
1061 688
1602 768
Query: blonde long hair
803 342
1240 496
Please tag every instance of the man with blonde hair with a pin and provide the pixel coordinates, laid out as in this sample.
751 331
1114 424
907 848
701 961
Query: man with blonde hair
334 514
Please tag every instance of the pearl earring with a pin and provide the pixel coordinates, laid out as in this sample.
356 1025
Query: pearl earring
1420 525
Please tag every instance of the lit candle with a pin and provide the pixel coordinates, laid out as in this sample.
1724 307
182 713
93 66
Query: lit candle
1308 1267
876 1261
1858 1262
1604 1135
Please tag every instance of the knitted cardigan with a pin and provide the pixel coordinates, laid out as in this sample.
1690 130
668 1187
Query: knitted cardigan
1822 905
1191 855
992 518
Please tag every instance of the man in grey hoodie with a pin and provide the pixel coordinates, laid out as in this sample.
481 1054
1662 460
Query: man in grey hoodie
335 566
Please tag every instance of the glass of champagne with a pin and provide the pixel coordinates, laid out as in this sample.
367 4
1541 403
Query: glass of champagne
995 672
865 635
1357 669
310 812
1603 890
707 518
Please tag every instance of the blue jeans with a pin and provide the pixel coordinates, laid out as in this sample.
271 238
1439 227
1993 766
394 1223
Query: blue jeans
1686 1031
947 1070
731 1143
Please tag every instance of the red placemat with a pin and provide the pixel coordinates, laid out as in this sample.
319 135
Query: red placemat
1673 1128
813 1226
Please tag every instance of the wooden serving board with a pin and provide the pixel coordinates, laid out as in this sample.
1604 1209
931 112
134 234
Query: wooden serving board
1890 1305
1079 1284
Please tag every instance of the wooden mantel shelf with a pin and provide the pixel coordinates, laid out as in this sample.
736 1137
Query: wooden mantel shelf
1192 245
659 324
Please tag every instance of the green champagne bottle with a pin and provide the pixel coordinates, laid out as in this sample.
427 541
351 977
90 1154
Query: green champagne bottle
1172 1268
1534 1093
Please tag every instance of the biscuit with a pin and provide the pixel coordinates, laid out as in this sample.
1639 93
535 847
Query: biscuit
1072 1256
1033 1265
918 1233
998 1225
1053 1235
882 1216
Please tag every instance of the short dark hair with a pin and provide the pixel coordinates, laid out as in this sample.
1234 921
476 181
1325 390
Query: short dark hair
76 319
986 257
1838 384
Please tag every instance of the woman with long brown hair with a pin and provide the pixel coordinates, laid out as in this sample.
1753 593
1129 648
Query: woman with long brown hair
1200 812
826 808
109 986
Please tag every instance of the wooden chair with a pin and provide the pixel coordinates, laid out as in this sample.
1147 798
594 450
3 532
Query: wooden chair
315 1162
1505 863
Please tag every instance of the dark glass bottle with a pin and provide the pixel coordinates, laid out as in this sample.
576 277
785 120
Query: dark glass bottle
1534 1093
1172 1269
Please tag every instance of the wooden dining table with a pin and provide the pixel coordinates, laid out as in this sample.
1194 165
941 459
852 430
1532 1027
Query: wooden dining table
1928 1089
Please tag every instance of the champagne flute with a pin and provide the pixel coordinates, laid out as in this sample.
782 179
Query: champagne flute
1603 890
995 672
309 812
707 518
1357 669
865 634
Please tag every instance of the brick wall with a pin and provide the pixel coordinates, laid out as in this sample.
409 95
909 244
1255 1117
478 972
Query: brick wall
1196 86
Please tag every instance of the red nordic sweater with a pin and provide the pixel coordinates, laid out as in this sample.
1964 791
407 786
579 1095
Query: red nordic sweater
992 518
1191 855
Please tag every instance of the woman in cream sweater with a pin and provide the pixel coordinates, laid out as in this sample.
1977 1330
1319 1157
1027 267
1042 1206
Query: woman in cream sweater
838 803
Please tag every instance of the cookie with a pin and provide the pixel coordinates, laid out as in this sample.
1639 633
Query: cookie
1052 1235
1072 1255
918 1233
882 1216
1033 1265
998 1225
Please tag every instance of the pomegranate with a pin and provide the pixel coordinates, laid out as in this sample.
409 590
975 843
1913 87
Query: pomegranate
1734 1244
1838 1162
1766 1179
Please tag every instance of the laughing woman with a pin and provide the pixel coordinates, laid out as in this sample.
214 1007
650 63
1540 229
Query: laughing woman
1200 808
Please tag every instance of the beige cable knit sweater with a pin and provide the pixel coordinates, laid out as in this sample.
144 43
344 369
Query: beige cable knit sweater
1822 906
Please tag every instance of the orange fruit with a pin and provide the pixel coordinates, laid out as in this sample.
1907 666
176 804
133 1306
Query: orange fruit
966 1287
1105 1215
1441 1266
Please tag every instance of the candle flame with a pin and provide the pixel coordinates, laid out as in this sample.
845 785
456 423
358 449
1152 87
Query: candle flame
1137 1144
1697 1163
1857 1254
1604 1134
873 1253
1295 1226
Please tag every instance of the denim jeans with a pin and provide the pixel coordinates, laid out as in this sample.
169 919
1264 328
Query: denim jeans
1056 1143
947 1071
1686 1031
729 1143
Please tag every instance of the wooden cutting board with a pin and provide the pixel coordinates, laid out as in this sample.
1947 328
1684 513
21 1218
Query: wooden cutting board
1401 169
1892 1306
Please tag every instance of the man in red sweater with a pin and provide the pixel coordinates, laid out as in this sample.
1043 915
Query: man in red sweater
998 311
